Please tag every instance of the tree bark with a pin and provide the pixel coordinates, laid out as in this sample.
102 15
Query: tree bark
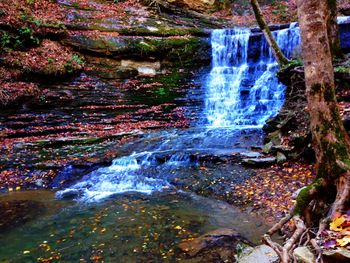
330 140
333 30
281 59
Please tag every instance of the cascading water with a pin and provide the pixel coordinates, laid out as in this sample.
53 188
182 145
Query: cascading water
242 91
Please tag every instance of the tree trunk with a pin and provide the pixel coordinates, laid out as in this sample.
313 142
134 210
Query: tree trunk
330 140
331 189
281 59
333 30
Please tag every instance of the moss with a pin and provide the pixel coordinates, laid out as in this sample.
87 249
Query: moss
303 200
162 31
304 196
331 153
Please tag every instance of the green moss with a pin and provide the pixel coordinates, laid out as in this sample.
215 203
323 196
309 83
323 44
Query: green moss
162 31
303 200
304 196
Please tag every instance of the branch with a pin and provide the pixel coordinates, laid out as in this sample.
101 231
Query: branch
281 59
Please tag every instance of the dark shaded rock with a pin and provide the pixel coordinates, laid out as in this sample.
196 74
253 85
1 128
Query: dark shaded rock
338 255
18 212
345 11
220 245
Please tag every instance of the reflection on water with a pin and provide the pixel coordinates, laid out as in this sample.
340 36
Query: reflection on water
125 228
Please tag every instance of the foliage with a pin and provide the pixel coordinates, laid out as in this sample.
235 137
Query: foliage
338 234
48 59
23 38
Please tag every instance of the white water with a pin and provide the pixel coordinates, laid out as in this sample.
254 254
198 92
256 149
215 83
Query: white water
343 19
242 91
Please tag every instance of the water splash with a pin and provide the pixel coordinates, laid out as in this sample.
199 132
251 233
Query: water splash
343 19
243 92
126 174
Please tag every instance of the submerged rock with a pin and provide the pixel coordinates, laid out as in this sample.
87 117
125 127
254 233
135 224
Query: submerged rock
17 212
221 244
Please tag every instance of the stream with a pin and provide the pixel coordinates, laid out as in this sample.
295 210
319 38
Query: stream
139 208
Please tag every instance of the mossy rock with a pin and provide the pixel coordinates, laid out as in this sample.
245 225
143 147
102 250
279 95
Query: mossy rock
185 49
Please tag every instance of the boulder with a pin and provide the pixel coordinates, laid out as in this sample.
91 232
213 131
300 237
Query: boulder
261 254
304 255
185 49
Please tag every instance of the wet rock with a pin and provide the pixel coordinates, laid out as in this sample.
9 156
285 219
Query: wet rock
337 255
17 212
251 154
259 162
184 49
281 158
261 254
304 255
216 239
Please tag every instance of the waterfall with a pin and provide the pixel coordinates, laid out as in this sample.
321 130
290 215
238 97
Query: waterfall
242 91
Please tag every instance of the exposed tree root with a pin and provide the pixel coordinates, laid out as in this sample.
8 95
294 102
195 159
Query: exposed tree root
285 252
302 235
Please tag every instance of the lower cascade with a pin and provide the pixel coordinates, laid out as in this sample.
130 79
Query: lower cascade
242 91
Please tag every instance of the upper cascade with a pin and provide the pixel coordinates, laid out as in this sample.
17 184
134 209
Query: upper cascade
243 91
